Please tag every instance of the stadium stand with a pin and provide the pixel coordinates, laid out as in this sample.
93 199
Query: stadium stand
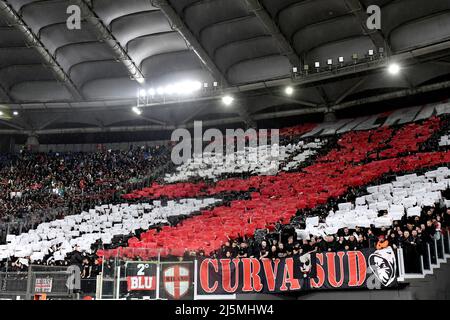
230 211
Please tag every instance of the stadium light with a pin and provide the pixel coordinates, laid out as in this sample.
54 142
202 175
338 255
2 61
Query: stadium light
394 69
227 100
1 113
137 110
142 93
289 91
15 113
341 59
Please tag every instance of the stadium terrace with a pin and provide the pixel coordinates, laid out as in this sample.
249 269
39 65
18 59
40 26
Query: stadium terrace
224 150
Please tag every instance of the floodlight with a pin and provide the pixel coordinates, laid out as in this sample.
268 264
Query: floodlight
394 69
227 100
137 110
289 91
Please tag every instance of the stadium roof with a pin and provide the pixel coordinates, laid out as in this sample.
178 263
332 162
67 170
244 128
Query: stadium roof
62 80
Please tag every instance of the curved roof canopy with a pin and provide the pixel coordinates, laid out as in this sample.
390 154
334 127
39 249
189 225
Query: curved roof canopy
52 75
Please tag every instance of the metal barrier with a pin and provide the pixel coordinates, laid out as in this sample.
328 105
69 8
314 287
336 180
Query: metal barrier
433 254
51 281
123 278
118 272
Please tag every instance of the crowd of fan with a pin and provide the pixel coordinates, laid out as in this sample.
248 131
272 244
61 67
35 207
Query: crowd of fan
411 234
35 183
53 180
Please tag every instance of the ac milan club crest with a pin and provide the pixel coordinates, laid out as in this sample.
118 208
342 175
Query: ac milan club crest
176 281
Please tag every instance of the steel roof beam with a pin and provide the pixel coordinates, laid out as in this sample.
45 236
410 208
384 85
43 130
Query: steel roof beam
375 35
106 35
393 95
272 28
6 94
179 25
262 116
410 57
12 15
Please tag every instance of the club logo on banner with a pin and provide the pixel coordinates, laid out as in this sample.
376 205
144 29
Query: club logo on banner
366 268
177 280
384 266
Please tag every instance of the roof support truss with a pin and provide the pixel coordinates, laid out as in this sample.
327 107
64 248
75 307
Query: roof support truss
5 93
105 34
270 25
178 24
375 35
12 15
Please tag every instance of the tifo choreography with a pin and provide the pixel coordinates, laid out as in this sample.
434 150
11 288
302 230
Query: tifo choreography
224 150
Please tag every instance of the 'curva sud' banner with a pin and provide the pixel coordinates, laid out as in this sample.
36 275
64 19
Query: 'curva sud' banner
368 268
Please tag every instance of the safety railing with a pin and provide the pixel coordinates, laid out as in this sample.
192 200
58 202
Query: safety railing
127 274
53 282
432 254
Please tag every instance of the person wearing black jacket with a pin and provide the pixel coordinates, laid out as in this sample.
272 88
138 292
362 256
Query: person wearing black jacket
341 244
410 244
306 247
76 258
352 243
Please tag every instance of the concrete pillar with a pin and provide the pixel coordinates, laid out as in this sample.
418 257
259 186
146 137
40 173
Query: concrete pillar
330 116
32 143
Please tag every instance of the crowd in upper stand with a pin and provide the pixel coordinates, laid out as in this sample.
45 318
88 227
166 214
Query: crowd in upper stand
32 184
44 181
